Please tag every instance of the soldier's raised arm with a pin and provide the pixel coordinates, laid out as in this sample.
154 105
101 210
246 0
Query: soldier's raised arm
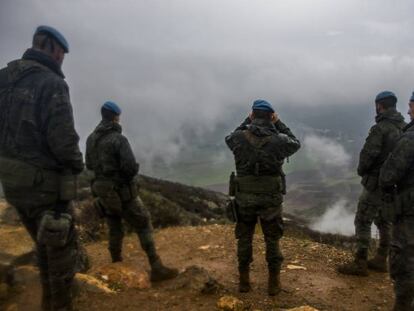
288 145
282 128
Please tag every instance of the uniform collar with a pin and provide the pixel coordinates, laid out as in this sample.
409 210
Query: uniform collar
43 59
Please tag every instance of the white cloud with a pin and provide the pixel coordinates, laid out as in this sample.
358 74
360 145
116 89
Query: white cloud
326 151
337 219
169 63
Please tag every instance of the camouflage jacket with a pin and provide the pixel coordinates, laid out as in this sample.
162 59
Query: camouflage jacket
260 147
109 154
398 169
380 142
36 120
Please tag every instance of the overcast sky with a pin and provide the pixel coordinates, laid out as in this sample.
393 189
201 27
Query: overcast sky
184 62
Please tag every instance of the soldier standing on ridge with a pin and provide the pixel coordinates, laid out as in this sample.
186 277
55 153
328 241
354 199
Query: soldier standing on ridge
379 143
260 146
109 156
397 177
39 158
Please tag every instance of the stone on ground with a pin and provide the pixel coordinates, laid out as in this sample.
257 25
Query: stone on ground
230 303
121 276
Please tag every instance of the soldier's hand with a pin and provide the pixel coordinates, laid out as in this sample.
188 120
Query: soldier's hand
250 116
275 117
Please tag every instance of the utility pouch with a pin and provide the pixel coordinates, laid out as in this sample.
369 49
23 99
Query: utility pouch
68 185
16 173
108 196
232 210
54 229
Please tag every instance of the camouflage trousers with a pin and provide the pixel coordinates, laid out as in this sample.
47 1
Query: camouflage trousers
402 257
57 265
268 209
370 211
138 217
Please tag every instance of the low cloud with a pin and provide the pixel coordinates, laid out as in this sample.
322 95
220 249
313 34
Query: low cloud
338 219
326 151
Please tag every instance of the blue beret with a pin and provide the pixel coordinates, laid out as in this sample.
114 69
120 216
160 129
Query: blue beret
384 95
55 34
412 98
111 106
261 104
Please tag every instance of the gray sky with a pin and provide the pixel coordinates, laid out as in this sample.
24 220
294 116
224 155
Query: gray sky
183 62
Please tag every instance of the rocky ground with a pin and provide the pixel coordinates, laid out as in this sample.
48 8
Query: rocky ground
206 257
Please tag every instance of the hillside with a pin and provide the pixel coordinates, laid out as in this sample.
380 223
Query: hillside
194 236
213 248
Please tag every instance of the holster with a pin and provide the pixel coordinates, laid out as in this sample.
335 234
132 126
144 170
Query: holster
232 210
231 207
54 228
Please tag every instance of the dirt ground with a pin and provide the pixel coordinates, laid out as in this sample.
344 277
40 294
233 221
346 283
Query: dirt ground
213 248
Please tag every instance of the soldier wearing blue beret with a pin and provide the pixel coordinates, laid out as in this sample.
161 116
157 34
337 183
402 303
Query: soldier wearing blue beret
40 157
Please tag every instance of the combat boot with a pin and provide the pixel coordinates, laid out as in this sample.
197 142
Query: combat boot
358 266
159 272
379 262
403 304
274 286
404 300
116 258
46 303
244 280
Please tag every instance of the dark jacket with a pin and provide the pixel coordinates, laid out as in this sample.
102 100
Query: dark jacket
109 154
380 142
36 121
260 148
398 169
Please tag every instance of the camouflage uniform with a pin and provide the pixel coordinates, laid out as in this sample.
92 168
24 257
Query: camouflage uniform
398 170
259 150
109 155
379 143
37 128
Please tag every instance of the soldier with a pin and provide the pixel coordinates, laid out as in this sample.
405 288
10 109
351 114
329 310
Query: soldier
39 158
109 156
260 146
379 143
397 177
